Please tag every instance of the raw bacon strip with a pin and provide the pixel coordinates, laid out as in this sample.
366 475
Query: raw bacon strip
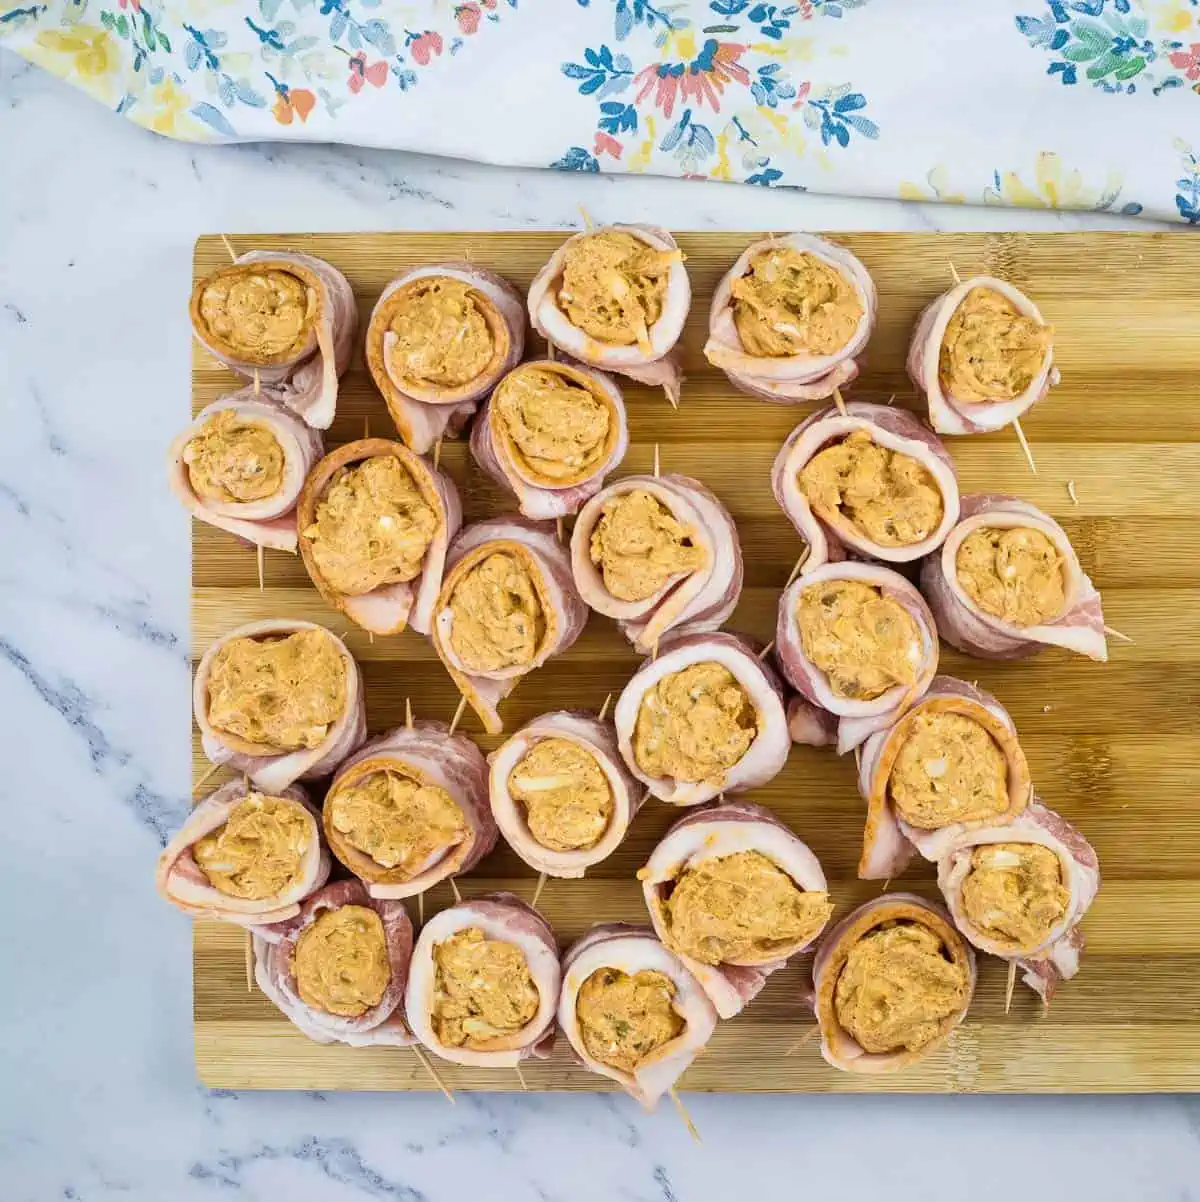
270 522
503 917
306 382
391 607
383 1023
889 841
632 949
658 366
838 1046
809 725
180 880
947 414
272 772
789 379
424 413
767 753
429 753
595 737
536 545
1056 958
963 624
707 834
855 719
492 448
893 429
688 603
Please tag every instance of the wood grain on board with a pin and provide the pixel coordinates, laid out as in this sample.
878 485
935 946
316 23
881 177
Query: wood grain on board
1113 746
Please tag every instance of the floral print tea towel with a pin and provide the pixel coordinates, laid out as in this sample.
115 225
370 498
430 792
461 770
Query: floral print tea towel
1090 104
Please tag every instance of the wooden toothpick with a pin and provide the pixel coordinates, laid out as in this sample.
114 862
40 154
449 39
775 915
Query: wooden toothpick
587 220
257 383
421 908
604 708
408 718
808 1035
229 247
799 565
1116 634
521 1077
558 527
837 400
656 463
683 1114
437 1077
885 885
261 557
367 426
762 655
537 892
455 891
458 713
213 769
249 962
1024 444
954 271
437 454
1008 988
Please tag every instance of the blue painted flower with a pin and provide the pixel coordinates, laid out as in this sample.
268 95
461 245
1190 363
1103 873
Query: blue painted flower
577 159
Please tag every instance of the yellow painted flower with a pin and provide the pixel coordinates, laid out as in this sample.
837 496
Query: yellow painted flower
798 50
1053 188
91 50
166 103
640 159
680 44
938 180
1175 18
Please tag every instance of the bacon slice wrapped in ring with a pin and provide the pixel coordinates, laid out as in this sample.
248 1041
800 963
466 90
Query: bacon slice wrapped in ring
952 763
704 717
891 982
549 435
875 482
410 809
561 794
375 521
982 355
439 340
507 605
245 857
287 318
631 1011
616 297
791 318
280 700
484 983
734 893
1007 583
856 640
1019 891
340 969
660 554
241 464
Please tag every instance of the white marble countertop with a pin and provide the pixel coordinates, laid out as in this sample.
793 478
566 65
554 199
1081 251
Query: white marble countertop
98 1097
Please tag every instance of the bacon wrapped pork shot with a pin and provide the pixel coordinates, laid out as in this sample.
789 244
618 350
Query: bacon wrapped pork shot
874 481
1019 891
616 298
484 983
245 857
856 640
791 318
1007 583
704 717
734 893
410 809
289 319
660 554
891 982
279 700
952 763
631 1011
549 435
507 605
439 340
241 464
339 970
561 794
982 355
375 522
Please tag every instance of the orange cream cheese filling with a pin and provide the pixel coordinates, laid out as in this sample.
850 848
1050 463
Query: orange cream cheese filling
991 351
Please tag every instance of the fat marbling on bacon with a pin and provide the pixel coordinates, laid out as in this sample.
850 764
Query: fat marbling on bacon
856 719
1056 957
596 738
767 752
388 608
894 430
271 521
633 949
971 629
424 412
541 498
275 972
429 754
307 381
790 379
689 602
504 918
710 833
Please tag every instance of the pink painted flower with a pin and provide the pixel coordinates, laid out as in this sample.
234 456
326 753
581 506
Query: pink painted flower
375 74
426 46
467 16
802 91
702 81
1188 60
606 144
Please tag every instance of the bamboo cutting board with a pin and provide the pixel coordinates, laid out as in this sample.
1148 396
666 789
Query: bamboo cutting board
1115 747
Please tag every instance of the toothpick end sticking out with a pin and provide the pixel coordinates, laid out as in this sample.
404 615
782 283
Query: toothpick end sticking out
455 890
229 247
521 1077
683 1114
657 463
437 454
954 271
767 650
249 962
1008 988
588 224
262 555
807 1037
537 891
604 708
421 908
1116 634
799 566
1024 444
367 426
885 885
458 713
558 529
213 769
257 383
437 1077
839 402
408 717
